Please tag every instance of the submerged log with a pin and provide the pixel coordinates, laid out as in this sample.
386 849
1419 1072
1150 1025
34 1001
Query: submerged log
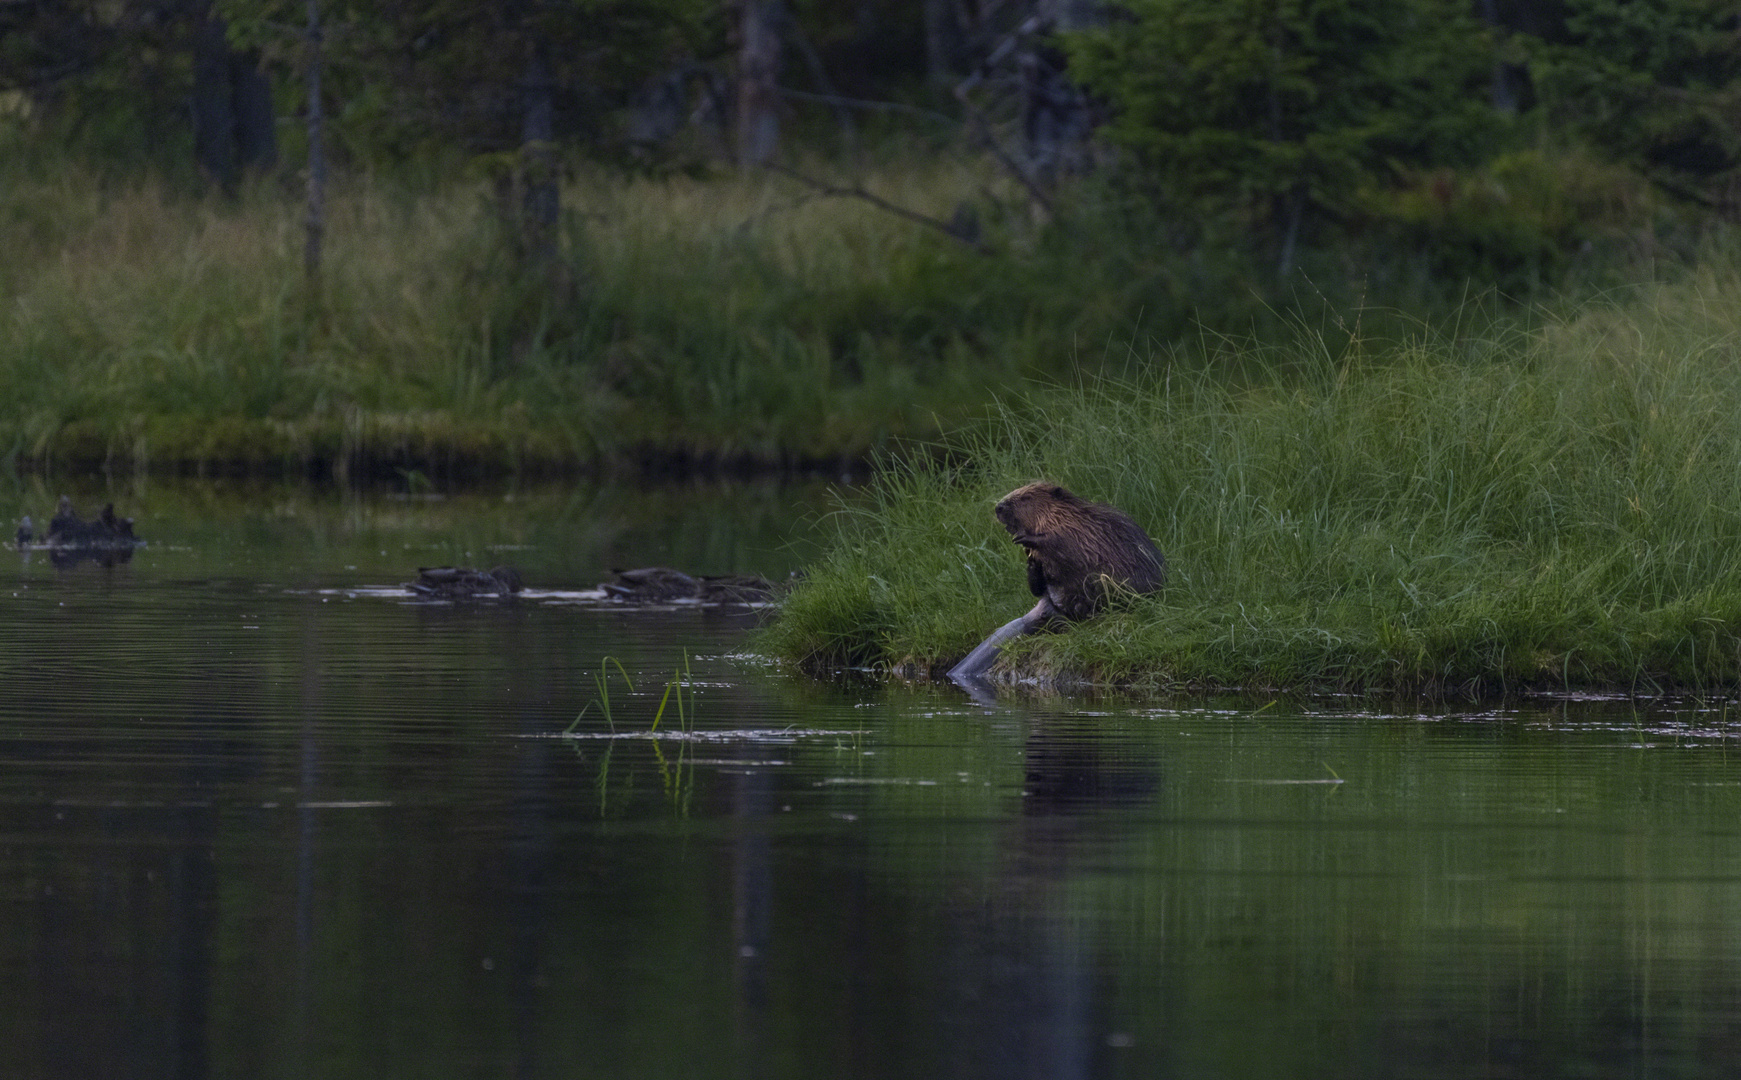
975 664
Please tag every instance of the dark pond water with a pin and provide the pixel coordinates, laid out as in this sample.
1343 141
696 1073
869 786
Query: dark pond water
260 816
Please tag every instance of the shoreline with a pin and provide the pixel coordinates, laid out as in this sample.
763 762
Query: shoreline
1038 682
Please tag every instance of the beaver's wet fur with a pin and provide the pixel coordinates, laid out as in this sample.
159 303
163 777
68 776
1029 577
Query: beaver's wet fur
1079 552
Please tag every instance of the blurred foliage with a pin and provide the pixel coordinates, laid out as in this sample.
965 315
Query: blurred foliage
1655 84
1244 105
1397 156
1510 146
1316 122
421 80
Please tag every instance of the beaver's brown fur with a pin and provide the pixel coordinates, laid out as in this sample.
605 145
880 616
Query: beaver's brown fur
1079 551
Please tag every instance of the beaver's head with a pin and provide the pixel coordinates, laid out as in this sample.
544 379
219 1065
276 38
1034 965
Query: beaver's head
1023 509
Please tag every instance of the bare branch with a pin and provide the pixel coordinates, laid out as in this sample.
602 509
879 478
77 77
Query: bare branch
856 192
863 103
982 130
1034 24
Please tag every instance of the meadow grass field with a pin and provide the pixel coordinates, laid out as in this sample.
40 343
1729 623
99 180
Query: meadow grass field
1557 508
738 319
691 320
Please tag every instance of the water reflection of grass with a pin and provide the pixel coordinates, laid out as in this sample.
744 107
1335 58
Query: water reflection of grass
677 775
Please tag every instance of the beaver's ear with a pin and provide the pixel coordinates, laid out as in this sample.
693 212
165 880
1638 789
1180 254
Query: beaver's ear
1058 492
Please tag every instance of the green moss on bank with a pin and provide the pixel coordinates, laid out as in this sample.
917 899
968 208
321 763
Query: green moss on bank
1555 510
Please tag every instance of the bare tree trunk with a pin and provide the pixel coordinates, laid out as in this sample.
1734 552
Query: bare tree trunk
213 122
540 197
944 40
231 103
256 123
758 82
315 222
1290 208
1511 78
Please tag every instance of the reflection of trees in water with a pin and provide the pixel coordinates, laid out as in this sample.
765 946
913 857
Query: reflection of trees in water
117 979
1236 923
146 730
71 558
751 794
1032 969
531 861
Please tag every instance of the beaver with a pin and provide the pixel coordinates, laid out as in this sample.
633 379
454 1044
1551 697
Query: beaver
462 582
1079 552
660 584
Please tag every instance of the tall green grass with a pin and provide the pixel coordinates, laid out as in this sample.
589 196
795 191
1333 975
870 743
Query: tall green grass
1559 508
698 318
146 328
691 318
735 316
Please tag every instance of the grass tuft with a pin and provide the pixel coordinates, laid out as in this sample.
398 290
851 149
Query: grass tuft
1500 511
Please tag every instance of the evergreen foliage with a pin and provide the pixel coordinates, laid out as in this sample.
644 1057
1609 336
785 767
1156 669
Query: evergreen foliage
1264 108
711 314
432 81
1657 85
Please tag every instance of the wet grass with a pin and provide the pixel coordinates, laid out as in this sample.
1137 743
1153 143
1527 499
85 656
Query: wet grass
1497 510
146 330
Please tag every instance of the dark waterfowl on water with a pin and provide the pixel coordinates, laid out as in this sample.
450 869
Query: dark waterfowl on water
651 584
66 532
115 526
109 540
661 584
64 519
458 582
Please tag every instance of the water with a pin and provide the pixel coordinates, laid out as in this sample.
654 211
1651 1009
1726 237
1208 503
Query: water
260 817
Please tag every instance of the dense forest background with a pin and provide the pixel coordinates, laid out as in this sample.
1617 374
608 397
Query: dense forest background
261 233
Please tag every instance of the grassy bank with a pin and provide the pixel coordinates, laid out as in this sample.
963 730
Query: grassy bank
718 321
1558 509
714 320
